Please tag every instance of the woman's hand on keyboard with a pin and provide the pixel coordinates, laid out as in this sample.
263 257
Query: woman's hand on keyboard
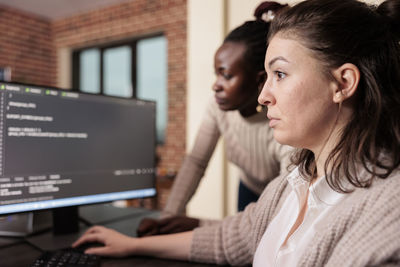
174 246
115 243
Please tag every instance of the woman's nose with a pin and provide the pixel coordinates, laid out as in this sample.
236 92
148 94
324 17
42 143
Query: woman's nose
217 86
265 97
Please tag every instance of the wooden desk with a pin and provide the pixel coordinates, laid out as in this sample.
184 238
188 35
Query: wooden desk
23 254
15 252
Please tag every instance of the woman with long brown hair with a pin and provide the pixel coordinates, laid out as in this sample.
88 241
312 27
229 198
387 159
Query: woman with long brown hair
333 92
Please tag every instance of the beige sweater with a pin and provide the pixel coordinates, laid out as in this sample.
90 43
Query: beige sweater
364 229
249 145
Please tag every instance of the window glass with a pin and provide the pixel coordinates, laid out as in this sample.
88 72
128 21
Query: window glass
108 70
89 71
118 71
152 78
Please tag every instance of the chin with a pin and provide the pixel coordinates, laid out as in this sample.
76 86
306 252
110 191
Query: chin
282 139
224 107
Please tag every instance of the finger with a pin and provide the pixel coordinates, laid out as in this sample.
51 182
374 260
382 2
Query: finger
93 229
145 228
87 238
101 251
165 221
153 231
148 230
147 224
169 228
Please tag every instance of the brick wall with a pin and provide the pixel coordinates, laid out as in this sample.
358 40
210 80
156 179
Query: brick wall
134 19
30 45
26 45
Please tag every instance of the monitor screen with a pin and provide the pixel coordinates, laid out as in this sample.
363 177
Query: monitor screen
61 148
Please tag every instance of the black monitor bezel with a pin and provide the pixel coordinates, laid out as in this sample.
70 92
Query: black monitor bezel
125 100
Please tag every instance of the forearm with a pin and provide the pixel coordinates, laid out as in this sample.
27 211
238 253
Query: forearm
173 246
184 186
195 163
191 172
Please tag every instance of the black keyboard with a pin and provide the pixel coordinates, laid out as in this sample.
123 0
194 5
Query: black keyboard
66 257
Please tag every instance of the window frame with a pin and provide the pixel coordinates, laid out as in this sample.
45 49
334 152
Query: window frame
132 43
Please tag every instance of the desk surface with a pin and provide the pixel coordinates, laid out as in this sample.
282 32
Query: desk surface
22 254
23 251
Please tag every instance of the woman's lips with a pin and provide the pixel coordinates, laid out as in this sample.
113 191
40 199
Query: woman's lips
272 121
219 101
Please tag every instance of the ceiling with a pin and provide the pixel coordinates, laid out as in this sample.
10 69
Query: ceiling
58 9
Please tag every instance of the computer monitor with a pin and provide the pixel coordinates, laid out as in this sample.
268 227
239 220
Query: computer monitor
60 149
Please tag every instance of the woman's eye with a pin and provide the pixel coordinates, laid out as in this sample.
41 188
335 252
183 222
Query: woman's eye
227 76
280 75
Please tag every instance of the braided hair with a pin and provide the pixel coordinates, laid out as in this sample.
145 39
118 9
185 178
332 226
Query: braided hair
253 34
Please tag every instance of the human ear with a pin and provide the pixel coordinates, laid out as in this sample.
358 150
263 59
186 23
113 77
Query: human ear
347 77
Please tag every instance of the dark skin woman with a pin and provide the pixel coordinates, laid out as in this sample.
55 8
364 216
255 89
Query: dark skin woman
240 75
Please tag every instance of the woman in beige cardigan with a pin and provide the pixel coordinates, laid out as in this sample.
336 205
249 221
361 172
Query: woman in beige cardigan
333 92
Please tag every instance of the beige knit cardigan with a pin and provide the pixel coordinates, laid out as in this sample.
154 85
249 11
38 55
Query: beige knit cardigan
363 230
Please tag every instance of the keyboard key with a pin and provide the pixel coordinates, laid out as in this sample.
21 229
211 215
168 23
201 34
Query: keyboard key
66 257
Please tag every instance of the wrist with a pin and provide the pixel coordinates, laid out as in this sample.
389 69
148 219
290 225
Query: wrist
174 246
134 246
147 246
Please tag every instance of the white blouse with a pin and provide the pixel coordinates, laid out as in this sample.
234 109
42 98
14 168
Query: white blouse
321 198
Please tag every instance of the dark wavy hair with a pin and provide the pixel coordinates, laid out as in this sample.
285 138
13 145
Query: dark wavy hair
253 34
349 31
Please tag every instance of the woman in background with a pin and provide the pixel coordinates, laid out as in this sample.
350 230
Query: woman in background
332 91
232 115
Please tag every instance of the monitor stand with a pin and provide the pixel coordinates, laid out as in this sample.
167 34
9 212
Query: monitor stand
66 229
65 220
